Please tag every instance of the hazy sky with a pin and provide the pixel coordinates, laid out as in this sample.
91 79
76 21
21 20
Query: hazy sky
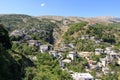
83 8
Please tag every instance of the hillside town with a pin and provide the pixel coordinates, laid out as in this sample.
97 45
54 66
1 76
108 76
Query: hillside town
60 40
106 56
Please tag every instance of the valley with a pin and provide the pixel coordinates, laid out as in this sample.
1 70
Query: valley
61 48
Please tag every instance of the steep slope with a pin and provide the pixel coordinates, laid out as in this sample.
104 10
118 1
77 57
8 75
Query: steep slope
43 28
64 23
51 28
9 69
85 34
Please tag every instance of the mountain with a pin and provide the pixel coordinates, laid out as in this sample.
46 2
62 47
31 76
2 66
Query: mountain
54 26
23 38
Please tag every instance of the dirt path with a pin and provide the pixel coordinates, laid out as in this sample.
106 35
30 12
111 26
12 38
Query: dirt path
64 29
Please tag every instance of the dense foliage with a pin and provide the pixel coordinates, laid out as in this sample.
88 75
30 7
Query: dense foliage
16 66
38 29
106 34
10 68
22 62
47 69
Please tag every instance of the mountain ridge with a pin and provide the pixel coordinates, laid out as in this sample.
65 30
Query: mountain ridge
61 23
50 16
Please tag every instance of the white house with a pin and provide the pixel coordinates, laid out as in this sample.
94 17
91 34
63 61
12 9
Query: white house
44 48
17 33
66 61
72 55
103 61
85 37
82 76
114 54
105 70
85 54
54 53
109 58
97 41
98 51
108 50
92 38
99 64
33 43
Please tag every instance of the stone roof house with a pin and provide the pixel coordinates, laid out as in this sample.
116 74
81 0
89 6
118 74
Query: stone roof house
33 43
44 48
72 55
85 54
98 51
66 61
82 76
54 53
17 33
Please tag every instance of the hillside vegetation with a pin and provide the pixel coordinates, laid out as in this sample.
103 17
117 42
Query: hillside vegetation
109 34
22 36
24 22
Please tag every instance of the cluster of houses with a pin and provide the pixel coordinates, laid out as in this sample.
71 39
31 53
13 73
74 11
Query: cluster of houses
18 33
103 62
43 48
110 55
97 41
72 54
27 38
26 34
92 65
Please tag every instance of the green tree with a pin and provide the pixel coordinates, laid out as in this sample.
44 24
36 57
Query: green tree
108 38
10 68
